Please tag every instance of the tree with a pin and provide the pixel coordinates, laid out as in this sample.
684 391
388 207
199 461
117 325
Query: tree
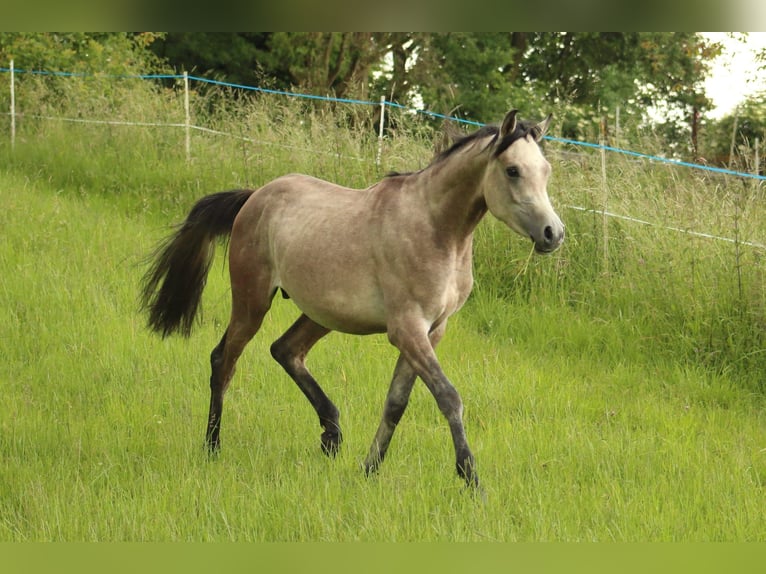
83 52
90 56
399 85
236 57
730 141
340 63
462 72
675 67
582 76
632 70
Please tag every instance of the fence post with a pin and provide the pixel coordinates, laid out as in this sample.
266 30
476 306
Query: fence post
187 115
380 129
605 197
13 108
757 157
733 137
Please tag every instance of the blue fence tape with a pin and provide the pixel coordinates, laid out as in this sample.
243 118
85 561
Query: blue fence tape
281 92
656 158
391 105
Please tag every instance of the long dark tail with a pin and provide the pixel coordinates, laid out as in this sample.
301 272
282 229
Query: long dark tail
172 286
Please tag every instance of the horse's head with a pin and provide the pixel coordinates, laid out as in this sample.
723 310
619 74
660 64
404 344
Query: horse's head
515 184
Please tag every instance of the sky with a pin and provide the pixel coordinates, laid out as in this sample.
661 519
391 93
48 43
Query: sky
734 74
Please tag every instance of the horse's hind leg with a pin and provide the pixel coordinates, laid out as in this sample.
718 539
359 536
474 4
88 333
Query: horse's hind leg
242 327
290 351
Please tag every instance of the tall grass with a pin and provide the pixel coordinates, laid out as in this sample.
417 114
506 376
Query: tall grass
615 398
698 299
678 295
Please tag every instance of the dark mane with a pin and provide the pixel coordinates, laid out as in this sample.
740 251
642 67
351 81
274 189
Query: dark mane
523 129
485 131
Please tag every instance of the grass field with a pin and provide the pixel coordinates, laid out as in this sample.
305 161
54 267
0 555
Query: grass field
624 403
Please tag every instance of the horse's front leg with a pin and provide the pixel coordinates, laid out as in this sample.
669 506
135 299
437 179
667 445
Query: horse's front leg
411 338
395 405
396 402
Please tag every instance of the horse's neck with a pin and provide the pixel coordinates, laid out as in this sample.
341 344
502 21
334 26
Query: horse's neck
454 195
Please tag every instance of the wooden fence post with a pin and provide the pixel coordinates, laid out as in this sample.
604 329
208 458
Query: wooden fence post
605 197
13 107
187 116
380 129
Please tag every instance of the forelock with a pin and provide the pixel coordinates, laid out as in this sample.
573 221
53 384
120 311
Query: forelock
523 129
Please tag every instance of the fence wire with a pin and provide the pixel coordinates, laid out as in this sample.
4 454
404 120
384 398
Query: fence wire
383 103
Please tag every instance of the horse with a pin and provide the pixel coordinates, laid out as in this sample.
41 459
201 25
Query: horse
395 258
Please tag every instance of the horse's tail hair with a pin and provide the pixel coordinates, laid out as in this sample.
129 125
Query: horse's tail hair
172 286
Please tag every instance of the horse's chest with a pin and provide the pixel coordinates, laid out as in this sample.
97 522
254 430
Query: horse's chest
450 291
419 274
457 290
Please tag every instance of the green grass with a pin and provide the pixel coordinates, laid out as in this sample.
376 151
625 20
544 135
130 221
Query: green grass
620 403
575 439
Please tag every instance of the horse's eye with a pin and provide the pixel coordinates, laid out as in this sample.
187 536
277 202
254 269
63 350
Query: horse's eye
512 171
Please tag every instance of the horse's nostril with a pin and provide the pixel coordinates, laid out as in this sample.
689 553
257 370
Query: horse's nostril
548 233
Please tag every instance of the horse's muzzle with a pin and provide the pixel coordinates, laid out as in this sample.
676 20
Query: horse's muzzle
551 239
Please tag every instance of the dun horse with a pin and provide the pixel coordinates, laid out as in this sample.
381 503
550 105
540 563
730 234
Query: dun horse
394 258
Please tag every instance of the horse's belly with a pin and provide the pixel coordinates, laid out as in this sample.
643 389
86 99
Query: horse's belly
327 269
340 310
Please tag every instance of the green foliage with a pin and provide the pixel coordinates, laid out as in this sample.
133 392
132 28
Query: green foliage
585 76
338 63
230 56
462 74
93 59
476 75
593 74
745 124
80 52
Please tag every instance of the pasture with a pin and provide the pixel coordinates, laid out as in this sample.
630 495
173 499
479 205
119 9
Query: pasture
610 394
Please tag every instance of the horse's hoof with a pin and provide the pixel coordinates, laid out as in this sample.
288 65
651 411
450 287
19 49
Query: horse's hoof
213 449
468 474
370 469
331 443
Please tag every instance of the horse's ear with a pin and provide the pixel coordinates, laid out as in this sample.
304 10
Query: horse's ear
538 131
509 123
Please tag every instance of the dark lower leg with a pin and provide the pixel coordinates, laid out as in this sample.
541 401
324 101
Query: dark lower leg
420 354
217 389
290 352
223 362
396 402
451 407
